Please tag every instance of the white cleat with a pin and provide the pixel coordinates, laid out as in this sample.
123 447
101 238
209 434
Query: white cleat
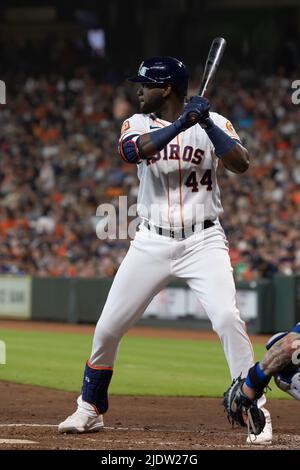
265 437
80 422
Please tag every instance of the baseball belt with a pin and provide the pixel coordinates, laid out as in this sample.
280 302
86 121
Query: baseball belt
180 233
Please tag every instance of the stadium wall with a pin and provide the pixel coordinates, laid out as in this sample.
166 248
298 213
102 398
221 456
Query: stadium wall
267 306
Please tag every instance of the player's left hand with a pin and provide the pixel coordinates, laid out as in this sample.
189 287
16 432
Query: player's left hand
195 111
241 410
201 106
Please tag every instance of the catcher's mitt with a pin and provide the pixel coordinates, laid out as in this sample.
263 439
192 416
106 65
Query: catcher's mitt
241 410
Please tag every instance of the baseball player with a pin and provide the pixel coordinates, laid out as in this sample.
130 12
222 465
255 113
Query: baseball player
282 361
177 147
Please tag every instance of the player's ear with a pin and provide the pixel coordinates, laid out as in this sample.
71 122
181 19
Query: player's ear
167 91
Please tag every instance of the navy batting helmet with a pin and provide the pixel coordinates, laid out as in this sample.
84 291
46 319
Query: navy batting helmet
161 70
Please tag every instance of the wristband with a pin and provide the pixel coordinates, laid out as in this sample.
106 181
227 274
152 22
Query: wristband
257 379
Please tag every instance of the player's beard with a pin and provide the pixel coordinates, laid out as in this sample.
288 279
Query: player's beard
153 106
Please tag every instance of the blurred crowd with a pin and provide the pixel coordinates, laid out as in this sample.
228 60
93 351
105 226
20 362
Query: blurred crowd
262 207
59 161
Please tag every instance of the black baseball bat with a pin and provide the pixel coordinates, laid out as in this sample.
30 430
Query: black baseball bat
213 59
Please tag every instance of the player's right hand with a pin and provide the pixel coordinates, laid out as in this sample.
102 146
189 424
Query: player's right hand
195 111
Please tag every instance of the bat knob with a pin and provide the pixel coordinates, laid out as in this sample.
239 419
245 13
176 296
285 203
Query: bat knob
193 117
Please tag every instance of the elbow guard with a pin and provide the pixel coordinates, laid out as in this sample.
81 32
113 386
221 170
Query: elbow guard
129 150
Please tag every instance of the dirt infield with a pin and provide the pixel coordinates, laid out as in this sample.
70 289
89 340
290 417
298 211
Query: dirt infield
158 423
30 414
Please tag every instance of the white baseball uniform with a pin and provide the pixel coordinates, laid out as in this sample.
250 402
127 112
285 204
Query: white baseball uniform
177 179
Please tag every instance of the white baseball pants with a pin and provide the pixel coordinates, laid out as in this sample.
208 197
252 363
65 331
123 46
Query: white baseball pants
151 262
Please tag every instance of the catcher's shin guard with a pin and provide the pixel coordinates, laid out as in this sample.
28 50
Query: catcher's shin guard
95 386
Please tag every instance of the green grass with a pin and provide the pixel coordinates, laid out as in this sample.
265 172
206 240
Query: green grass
145 366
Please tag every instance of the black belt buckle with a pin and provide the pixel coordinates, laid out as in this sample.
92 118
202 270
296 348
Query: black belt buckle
208 224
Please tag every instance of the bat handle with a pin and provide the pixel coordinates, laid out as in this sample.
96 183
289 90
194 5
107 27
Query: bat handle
193 117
